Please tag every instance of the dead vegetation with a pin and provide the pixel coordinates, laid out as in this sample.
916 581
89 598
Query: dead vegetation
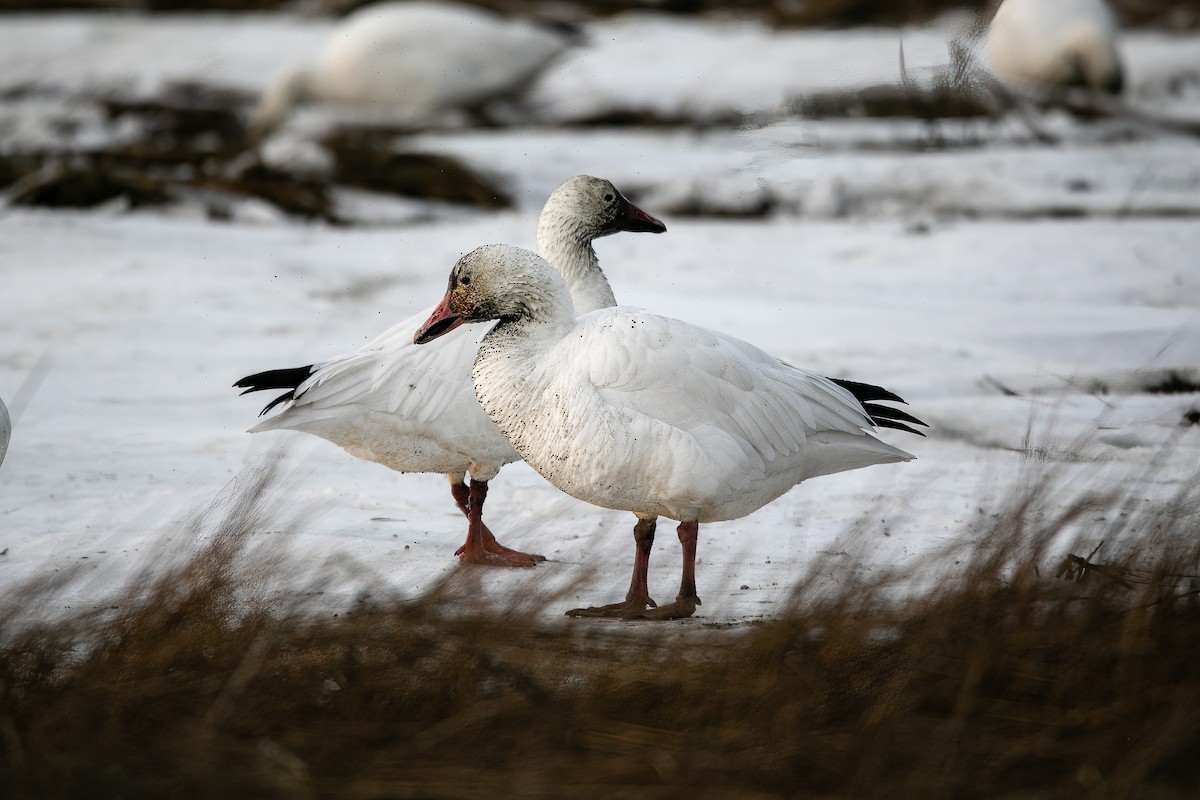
192 143
933 103
1003 680
1175 381
368 160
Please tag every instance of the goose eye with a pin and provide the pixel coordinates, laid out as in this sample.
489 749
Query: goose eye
465 280
608 198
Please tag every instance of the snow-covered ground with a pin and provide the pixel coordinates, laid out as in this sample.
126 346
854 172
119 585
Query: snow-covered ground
1016 294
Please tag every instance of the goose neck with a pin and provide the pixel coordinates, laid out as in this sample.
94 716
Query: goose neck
569 248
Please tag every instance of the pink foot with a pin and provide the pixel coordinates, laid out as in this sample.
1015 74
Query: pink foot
631 608
682 608
481 546
641 608
492 553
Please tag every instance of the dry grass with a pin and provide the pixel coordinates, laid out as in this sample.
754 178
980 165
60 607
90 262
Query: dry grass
1001 682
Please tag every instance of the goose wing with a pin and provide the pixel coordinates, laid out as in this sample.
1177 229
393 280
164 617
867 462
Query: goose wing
390 374
690 377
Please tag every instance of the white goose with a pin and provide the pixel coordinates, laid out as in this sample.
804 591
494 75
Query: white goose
629 410
414 409
1057 43
418 58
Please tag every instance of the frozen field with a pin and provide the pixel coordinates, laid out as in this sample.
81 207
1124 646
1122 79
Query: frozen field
1017 295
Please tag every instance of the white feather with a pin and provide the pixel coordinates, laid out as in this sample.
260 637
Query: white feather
1055 43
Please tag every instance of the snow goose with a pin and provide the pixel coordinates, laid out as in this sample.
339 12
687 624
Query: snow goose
629 410
414 409
1056 43
418 58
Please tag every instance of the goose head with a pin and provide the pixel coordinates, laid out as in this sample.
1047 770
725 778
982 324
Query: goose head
577 213
498 282
584 208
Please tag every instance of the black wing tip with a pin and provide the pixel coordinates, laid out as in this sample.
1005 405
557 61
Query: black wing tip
283 398
870 395
878 412
867 392
883 422
289 378
888 417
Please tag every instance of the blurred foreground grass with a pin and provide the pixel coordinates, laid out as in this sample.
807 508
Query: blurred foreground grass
1003 680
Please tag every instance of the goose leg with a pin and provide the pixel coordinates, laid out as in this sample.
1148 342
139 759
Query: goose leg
687 599
481 546
638 597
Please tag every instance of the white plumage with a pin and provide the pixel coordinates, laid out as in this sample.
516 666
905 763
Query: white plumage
413 409
629 410
394 404
419 58
1060 43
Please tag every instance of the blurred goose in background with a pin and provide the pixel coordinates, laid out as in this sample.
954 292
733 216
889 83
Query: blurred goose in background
413 409
418 58
5 430
629 410
1055 43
